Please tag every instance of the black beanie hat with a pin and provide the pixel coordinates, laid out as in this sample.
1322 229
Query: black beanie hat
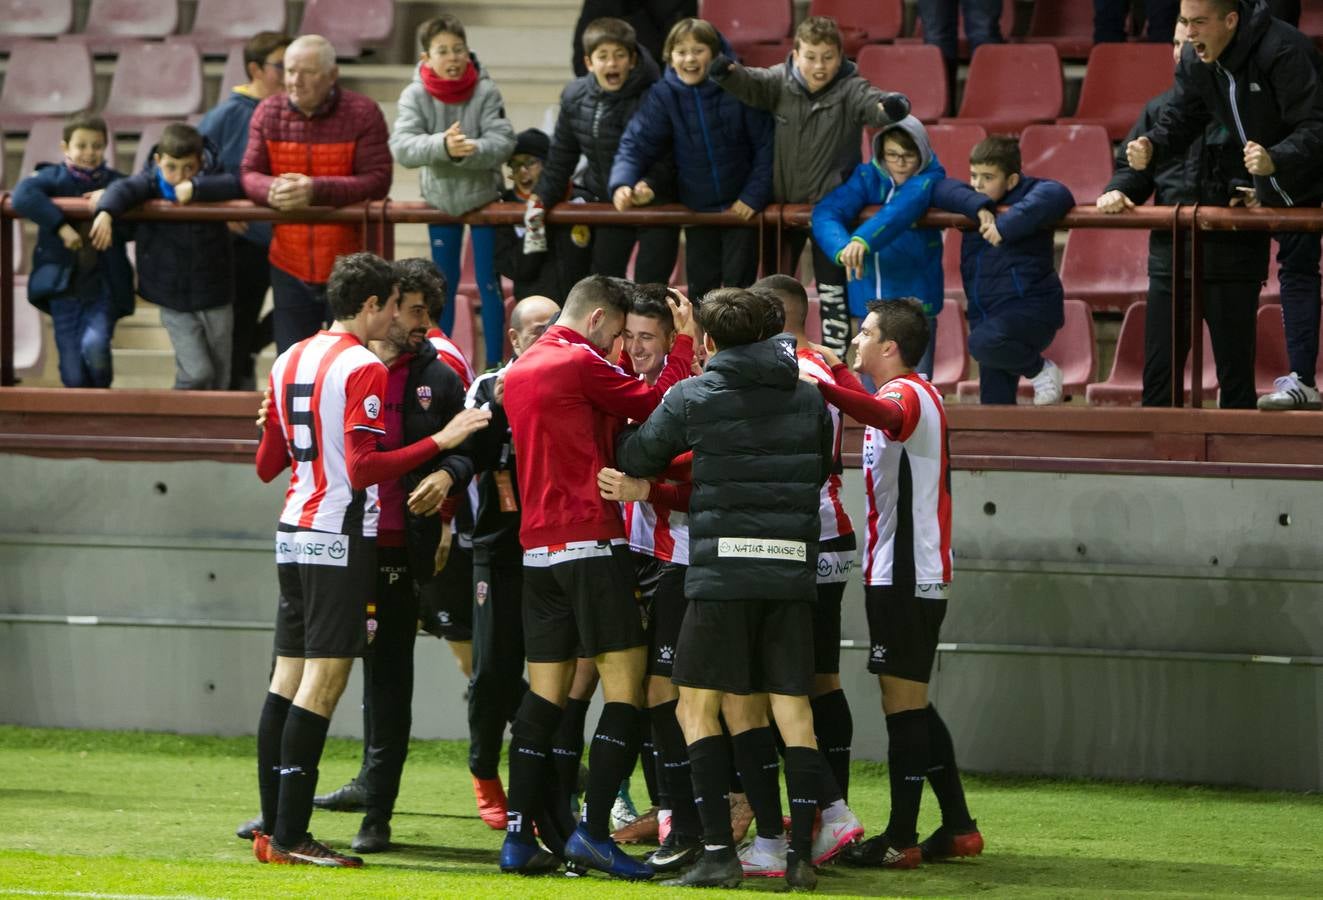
532 142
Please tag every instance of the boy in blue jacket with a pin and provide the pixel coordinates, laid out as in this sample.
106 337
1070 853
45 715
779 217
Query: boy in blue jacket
183 267
83 290
1015 297
723 156
888 257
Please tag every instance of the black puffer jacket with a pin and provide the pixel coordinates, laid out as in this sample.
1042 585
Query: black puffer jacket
1208 173
1265 87
762 443
591 123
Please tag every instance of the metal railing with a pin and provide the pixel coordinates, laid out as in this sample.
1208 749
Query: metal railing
376 220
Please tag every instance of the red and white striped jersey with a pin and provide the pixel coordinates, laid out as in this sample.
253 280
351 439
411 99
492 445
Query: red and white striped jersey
322 388
835 520
661 533
452 356
907 477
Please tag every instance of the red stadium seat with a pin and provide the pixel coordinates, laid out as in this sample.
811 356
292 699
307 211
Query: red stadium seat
758 30
1270 360
1125 385
25 19
763 56
43 145
1007 27
916 70
1119 80
34 89
951 355
1065 25
220 23
953 142
862 22
148 137
462 331
1072 349
1011 86
1078 156
1106 268
953 281
1272 288
349 24
154 81
113 23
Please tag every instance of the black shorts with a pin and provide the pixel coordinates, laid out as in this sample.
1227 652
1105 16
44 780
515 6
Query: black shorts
902 631
446 599
827 628
326 583
662 584
584 605
746 647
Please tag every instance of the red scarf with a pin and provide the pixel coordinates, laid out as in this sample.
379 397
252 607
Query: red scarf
450 92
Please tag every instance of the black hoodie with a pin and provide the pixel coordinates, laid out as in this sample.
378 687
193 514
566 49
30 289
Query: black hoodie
1264 87
762 442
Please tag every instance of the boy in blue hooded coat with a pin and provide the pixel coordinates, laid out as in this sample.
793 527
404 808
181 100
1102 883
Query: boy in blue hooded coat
887 257
84 290
723 156
1014 294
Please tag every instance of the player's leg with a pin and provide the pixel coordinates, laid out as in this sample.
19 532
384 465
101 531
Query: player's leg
754 749
498 664
832 723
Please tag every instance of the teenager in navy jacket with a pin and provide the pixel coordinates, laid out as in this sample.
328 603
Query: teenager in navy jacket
1015 299
723 156
888 257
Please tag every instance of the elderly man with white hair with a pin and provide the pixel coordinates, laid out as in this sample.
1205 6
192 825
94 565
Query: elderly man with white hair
316 144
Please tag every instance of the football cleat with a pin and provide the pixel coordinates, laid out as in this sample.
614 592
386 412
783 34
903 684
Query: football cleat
801 876
311 852
879 853
349 798
947 843
261 847
526 858
643 829
372 837
765 857
604 856
249 829
490 794
716 868
674 854
833 837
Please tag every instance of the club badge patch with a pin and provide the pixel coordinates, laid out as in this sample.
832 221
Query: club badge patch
480 592
424 397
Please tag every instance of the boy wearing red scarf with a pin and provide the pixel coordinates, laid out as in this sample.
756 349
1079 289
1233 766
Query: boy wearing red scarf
451 124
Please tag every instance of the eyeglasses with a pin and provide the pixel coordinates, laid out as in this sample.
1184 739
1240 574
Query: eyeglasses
900 157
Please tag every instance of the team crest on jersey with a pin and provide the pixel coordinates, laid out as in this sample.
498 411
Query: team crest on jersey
424 397
480 592
665 653
372 406
879 653
894 395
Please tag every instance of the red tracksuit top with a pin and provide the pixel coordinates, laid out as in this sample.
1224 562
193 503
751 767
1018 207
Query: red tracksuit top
565 404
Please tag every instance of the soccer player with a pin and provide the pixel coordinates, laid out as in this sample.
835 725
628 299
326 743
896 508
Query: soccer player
325 422
907 574
762 445
565 403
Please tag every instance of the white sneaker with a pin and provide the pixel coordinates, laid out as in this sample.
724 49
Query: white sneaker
1047 384
621 813
1291 393
765 857
840 828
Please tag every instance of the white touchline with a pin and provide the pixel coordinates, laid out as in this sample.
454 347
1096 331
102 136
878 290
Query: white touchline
17 892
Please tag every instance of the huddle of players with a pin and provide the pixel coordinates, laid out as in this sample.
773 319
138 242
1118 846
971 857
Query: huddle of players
750 551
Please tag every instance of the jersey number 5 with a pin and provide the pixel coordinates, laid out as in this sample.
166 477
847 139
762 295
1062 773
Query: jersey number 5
298 413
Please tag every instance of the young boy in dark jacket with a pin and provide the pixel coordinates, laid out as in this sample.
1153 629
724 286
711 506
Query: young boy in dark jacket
84 291
1015 296
183 267
594 111
723 156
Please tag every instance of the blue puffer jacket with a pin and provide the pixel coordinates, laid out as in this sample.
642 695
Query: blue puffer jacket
906 261
1018 274
723 149
55 269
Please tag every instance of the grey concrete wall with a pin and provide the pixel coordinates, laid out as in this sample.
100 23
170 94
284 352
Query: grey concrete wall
1099 626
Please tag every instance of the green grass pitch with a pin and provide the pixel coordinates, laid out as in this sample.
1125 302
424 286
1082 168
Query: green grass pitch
108 814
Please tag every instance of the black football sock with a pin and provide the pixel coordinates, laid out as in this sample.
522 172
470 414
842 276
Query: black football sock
270 729
567 753
648 759
614 749
709 761
944 776
676 774
530 743
834 728
760 770
907 764
301 747
802 778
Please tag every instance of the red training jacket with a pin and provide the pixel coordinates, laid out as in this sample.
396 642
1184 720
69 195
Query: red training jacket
565 404
342 147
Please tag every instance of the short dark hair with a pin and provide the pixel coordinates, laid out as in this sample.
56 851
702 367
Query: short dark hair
85 122
598 292
733 317
354 278
1225 6
700 30
442 24
650 300
903 320
417 275
179 140
1000 150
262 45
774 314
818 30
610 31
902 137
791 295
